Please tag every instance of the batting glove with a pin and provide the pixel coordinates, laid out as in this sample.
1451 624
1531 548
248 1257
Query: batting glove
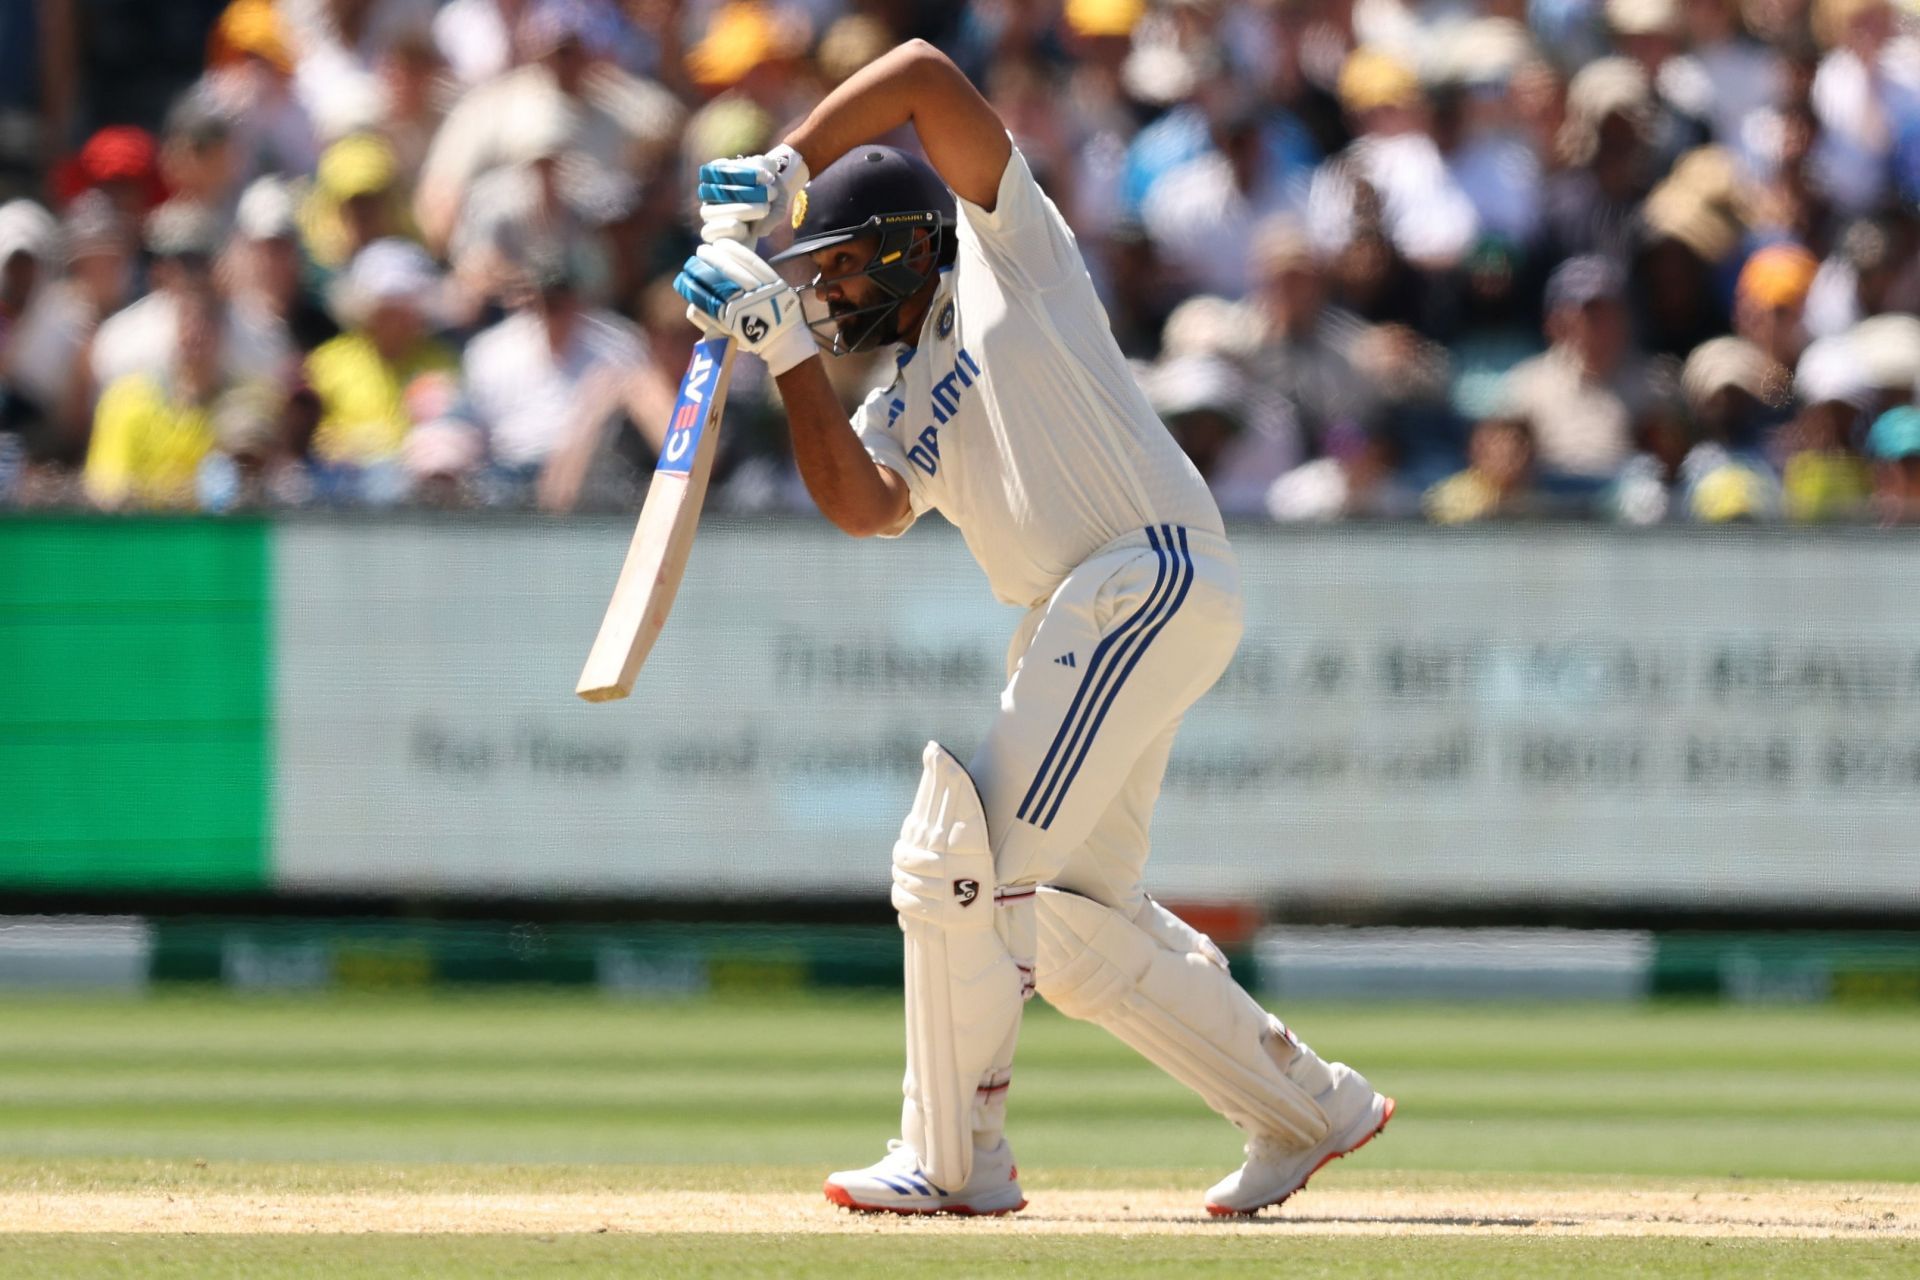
732 291
740 197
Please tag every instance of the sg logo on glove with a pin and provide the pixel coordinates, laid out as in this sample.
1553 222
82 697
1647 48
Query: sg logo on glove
966 891
753 329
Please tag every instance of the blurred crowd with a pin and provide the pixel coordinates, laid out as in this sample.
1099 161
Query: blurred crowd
1636 260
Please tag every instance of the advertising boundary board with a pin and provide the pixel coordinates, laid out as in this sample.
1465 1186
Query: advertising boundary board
1552 718
1556 715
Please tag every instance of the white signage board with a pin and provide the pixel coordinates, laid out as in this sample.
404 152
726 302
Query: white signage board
1567 716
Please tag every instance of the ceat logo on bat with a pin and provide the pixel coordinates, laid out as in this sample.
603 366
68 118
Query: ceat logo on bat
690 409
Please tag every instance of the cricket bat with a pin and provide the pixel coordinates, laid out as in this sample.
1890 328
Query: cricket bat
657 557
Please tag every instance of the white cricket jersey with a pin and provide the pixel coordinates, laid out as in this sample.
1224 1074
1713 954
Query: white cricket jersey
1016 416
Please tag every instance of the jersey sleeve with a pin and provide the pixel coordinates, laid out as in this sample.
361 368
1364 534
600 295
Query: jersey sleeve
1024 239
873 423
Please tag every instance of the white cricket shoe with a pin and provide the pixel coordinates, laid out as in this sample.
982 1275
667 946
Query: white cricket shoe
1275 1170
896 1185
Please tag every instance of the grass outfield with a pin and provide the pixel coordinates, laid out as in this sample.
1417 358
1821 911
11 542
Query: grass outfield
1535 1141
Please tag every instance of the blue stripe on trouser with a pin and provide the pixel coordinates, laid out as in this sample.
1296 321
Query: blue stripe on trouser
1185 567
1042 813
1094 666
1102 686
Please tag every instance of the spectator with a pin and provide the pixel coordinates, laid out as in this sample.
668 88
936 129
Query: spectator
249 81
1739 78
1736 393
1305 347
27 240
121 161
264 263
552 371
442 455
625 125
250 464
199 160
1823 478
337 47
1608 163
1693 224
1894 444
142 338
1580 399
1733 494
1769 301
361 377
1679 471
475 37
1874 268
1888 349
1138 289
1777 145
1208 407
538 200
1650 488
1200 211
1649 32
1498 481
413 104
28 234
153 430
1491 327
1867 85
1356 479
1393 164
1479 129
356 200
46 366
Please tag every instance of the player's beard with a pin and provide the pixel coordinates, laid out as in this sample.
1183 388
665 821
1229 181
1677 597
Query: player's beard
864 326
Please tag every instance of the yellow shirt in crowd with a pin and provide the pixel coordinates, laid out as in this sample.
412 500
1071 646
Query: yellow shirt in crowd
1825 484
1461 498
363 415
146 450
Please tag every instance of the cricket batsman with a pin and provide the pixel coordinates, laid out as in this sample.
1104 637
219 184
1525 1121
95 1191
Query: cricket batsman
1013 414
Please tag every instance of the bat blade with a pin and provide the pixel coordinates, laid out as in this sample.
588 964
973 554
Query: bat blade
657 556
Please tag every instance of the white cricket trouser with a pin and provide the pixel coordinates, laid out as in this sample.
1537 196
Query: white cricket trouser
1098 678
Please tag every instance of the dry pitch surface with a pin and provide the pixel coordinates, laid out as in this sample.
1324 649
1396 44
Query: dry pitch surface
1720 1210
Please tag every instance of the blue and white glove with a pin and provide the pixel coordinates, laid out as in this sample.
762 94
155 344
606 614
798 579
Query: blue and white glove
734 292
740 197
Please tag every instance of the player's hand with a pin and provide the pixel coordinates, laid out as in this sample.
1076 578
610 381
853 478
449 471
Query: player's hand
740 197
732 291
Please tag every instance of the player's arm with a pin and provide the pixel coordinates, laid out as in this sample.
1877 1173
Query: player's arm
731 290
858 494
964 138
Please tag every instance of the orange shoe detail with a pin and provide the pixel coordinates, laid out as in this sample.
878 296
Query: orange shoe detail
1386 1114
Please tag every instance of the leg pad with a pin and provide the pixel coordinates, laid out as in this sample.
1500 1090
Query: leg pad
1179 1008
964 985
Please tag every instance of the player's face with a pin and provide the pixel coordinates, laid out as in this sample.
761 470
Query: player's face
842 287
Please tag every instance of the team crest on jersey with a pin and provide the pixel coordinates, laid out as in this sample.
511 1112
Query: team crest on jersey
799 209
944 325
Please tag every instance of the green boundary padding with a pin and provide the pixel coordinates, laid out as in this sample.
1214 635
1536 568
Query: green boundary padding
135 712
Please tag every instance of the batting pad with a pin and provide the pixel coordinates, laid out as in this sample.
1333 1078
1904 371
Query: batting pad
1173 1001
963 984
